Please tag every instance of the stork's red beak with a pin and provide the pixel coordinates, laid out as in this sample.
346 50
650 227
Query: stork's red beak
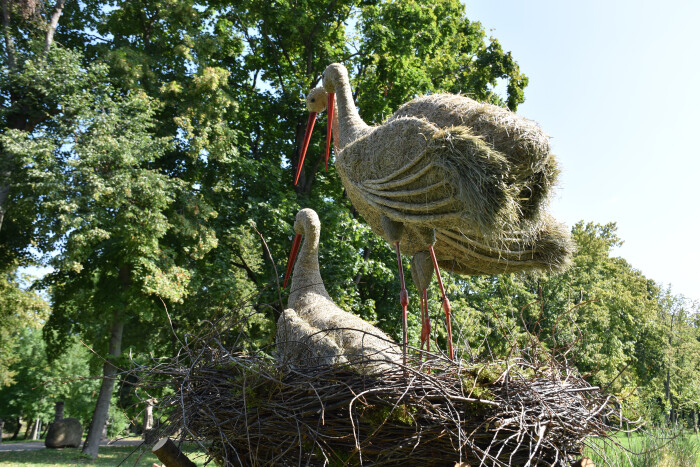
331 102
307 138
292 258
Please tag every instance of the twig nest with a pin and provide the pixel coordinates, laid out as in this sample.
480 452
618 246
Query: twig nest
254 410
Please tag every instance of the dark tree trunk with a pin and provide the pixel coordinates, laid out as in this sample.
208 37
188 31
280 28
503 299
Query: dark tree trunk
58 415
17 429
99 417
30 424
4 190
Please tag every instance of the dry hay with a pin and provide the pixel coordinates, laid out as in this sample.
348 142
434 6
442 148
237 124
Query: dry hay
546 245
489 213
246 408
522 141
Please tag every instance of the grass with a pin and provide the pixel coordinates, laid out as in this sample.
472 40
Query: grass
108 456
659 448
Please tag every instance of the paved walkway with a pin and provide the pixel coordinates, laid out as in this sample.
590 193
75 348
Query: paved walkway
33 445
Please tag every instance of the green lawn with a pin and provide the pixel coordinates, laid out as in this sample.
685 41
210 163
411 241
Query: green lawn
109 456
660 450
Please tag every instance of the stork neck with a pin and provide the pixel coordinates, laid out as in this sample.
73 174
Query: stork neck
350 125
306 277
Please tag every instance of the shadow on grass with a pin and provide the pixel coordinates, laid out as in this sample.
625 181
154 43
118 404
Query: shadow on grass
109 456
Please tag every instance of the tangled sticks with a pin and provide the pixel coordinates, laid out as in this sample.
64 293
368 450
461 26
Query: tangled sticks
255 411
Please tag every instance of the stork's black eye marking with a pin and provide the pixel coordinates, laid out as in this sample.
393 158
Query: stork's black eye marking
313 100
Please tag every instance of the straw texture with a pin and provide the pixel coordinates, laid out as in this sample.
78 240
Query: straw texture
314 330
474 176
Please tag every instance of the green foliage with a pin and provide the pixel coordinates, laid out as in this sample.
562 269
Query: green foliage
38 384
19 310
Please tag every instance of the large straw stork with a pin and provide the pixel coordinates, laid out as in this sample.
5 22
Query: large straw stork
456 183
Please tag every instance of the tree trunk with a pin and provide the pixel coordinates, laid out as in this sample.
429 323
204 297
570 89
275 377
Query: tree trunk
17 429
36 429
30 424
9 41
4 190
53 24
148 415
2 424
58 415
99 417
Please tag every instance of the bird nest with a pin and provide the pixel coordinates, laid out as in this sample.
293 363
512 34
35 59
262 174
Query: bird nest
249 409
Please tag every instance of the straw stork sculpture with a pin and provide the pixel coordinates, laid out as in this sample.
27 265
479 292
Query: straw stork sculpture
313 330
456 183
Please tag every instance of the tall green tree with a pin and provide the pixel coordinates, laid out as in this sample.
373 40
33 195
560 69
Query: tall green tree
39 384
131 232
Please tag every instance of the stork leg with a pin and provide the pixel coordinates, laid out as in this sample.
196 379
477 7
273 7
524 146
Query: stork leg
445 303
425 328
422 273
403 298
393 231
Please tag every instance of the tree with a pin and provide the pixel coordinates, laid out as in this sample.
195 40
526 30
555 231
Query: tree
39 384
19 310
679 379
129 230
28 32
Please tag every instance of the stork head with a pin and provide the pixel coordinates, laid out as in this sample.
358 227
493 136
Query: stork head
317 101
306 223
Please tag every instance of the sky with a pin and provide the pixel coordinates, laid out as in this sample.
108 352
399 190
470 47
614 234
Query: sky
616 85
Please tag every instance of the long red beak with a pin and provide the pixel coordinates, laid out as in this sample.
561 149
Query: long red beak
307 138
331 101
292 258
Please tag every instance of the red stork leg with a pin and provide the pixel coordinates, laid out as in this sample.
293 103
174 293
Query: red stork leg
445 303
425 322
331 101
307 138
292 258
403 297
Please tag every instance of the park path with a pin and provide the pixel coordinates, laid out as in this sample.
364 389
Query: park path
34 445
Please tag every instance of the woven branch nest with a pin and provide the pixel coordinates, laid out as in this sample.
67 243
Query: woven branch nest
252 410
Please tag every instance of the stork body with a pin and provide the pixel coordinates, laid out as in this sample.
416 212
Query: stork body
313 330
